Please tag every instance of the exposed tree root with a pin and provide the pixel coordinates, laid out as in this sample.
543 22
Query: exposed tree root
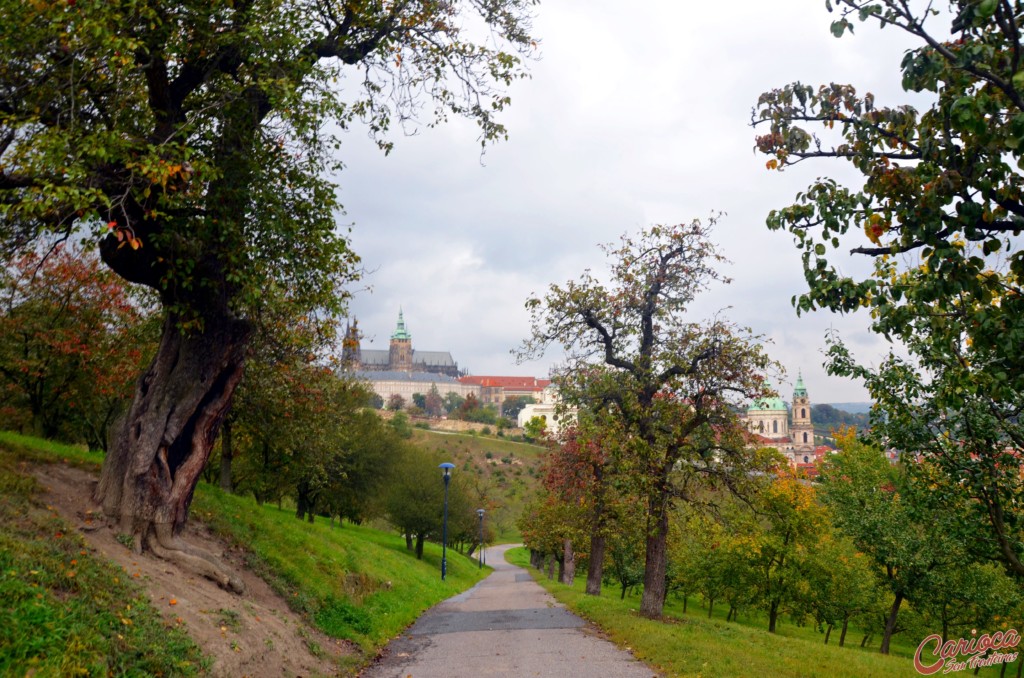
163 544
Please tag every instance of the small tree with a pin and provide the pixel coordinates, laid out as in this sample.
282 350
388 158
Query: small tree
396 402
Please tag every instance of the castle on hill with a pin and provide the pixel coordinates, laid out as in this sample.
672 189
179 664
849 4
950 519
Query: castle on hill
400 355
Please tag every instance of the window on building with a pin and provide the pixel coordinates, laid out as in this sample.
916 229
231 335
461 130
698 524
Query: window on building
805 436
806 460
803 413
775 427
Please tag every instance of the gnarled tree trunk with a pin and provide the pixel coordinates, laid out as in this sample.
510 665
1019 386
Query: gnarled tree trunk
150 474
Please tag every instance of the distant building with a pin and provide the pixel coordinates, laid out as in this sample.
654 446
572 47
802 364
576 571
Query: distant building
496 390
772 424
546 409
400 356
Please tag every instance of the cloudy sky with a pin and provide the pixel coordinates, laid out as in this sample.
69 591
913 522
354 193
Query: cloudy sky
635 114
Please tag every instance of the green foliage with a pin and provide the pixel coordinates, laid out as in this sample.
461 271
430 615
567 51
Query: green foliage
662 384
359 582
65 612
198 136
941 209
689 645
416 496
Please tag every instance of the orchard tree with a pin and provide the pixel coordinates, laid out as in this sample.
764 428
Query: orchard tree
578 470
890 521
634 355
191 140
72 340
939 214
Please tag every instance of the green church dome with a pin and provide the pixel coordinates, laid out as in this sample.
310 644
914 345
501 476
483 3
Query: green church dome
771 404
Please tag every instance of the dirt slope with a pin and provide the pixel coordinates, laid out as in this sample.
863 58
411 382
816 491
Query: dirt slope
252 635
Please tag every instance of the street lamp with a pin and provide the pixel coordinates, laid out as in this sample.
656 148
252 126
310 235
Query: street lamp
480 560
447 466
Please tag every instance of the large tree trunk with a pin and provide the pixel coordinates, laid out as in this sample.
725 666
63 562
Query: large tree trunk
595 566
842 636
890 623
226 455
165 440
652 602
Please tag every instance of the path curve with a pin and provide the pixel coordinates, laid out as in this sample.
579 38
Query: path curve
507 625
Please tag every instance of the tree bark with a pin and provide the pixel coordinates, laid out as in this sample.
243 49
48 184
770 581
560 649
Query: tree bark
226 454
711 606
842 636
595 567
652 602
419 546
568 569
150 474
408 541
828 632
890 623
773 616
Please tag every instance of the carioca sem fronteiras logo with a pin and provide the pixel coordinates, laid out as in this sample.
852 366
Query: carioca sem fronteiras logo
945 654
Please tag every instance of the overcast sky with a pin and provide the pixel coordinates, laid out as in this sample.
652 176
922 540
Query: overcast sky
635 114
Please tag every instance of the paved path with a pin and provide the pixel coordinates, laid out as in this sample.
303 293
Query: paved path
507 625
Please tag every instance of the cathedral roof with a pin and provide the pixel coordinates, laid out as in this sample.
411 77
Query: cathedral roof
400 331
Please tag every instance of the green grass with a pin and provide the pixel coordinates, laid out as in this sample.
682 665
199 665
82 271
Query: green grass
350 582
692 645
511 469
64 612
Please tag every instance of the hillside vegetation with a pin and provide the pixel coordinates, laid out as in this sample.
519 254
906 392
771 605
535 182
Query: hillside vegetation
350 582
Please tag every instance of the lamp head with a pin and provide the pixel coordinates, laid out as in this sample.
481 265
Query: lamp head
447 466
480 512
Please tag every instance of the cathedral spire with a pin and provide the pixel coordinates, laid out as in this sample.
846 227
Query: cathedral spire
799 390
400 332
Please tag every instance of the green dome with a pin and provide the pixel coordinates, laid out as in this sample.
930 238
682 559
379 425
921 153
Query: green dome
771 404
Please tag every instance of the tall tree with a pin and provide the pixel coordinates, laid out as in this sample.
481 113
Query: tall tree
939 215
189 140
633 353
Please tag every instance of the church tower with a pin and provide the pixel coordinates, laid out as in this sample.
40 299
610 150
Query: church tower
802 430
400 355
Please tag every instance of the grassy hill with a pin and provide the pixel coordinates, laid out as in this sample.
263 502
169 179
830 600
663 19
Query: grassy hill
507 471
60 610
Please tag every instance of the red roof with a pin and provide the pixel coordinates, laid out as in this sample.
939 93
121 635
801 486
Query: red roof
509 383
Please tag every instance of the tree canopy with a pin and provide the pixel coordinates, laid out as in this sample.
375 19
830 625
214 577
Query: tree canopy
939 214
194 142
662 381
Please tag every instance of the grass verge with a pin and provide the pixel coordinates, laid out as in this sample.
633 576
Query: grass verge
693 645
64 612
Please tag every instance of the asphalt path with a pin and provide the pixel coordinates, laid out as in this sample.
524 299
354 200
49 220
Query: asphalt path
507 625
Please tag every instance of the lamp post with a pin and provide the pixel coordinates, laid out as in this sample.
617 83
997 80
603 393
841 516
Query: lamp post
447 466
480 560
